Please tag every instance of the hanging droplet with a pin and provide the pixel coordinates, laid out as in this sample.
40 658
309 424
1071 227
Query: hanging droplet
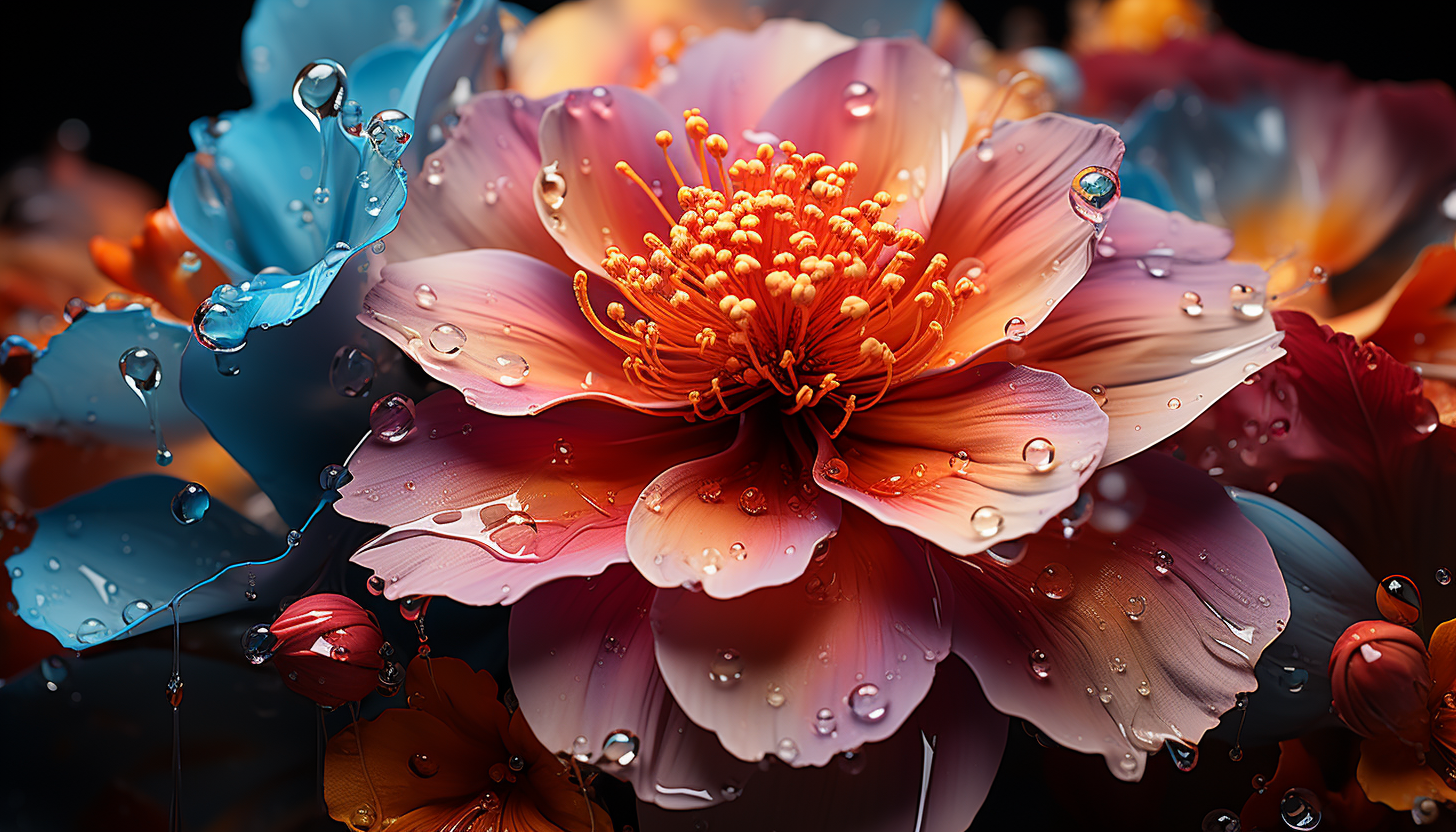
1094 192
859 99
1039 663
320 90
375 585
91 631
1192 304
447 339
334 476
411 607
788 750
141 369
259 644
1055 581
620 747
1016 329
392 418
190 504
1039 454
351 372
1443 576
134 611
220 326
824 723
1398 599
551 186
1185 757
1248 302
1299 809
867 703
1221 820
986 521
726 667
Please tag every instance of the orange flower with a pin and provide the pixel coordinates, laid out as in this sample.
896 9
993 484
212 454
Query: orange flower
160 262
453 760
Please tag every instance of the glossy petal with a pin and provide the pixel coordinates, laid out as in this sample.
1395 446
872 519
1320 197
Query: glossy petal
76 389
1393 773
484 508
465 57
932 775
715 75
967 459
1153 327
902 129
1328 591
516 313
1111 625
584 136
477 190
1011 216
583 666
868 613
741 520
1380 681
155 264
95 555
1418 329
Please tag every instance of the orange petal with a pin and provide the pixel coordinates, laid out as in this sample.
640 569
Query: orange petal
1392 773
160 262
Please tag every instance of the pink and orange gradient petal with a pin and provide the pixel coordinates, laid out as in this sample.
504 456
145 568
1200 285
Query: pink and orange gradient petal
1131 624
1156 332
744 519
483 509
584 670
503 328
1418 328
891 106
478 191
967 459
162 263
584 201
1006 223
810 669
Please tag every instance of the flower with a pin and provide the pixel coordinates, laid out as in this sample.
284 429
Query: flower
325 647
453 759
775 504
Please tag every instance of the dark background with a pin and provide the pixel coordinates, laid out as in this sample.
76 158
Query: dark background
138 73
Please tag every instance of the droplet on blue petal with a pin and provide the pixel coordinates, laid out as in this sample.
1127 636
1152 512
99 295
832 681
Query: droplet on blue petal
389 132
135 610
190 504
91 631
320 90
220 325
1095 190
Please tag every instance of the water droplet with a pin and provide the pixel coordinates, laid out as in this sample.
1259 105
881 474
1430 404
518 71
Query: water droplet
259 644
1144 689
1192 304
1185 757
1128 762
1294 679
1425 810
411 607
1299 809
824 724
1174 404
752 502
1398 599
351 372
1098 394
91 631
726 667
377 247
507 370
787 750
867 703
363 817
320 90
375 585
1162 562
392 418
835 469
859 99
1015 329
321 195
1248 302
190 504
1221 820
425 297
1094 192
1055 581
775 696
447 339
141 369
1443 576
219 326
389 133
1039 663
985 152
293 537
189 262
1117 664
53 565
986 521
551 186
581 749
620 747
1039 454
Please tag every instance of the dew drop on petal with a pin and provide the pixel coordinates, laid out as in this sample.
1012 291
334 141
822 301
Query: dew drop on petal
1192 304
190 504
867 703
986 521
423 766
91 631
392 418
1094 192
447 339
134 611
1055 581
725 668
1248 302
775 696
425 297
859 99
1015 329
1039 454
787 750
824 723
551 186
620 747
1039 664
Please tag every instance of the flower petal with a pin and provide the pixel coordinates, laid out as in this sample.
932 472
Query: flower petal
511 315
967 459
1153 329
1418 330
1072 635
744 519
583 136
1010 216
761 669
890 106
932 775
712 74
583 666
1394 773
484 508
477 190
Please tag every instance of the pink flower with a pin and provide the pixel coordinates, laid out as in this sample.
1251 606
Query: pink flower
752 459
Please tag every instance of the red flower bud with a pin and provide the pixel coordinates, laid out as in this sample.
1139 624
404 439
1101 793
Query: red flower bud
328 649
1380 681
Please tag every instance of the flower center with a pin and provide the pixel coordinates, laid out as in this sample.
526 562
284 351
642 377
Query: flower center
776 284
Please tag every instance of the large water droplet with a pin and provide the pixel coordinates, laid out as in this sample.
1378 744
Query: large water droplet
551 186
1040 665
859 99
220 326
1055 581
1299 809
620 747
986 521
726 667
752 502
320 90
259 644
334 476
447 339
425 297
1016 329
1247 302
1040 454
351 372
507 369
141 369
392 418
1398 599
1094 192
1443 576
824 723
867 703
1192 304
1185 757
92 631
389 133
134 611
190 504
423 766
788 750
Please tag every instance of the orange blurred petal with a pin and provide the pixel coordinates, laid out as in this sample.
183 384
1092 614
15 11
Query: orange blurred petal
160 262
1135 25
1417 327
1393 773
1347 809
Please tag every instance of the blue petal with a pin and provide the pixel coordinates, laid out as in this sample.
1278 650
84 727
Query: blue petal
469 50
1328 591
76 391
97 553
859 18
284 35
283 372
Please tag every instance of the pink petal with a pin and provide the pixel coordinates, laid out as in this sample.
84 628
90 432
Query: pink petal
1156 336
582 139
715 74
458 490
583 667
744 519
1010 216
516 314
890 106
1109 625
478 190
759 669
967 459
932 775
